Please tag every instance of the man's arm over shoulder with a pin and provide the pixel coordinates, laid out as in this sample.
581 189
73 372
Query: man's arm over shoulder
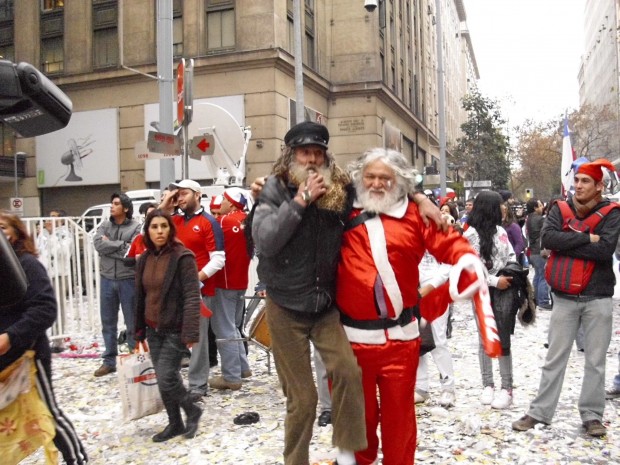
579 245
276 218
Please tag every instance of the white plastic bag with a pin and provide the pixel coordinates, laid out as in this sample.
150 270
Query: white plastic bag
138 384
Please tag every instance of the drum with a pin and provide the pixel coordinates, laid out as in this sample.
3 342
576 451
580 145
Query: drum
259 331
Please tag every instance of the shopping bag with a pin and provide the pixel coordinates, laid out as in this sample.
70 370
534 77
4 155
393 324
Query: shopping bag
25 421
138 384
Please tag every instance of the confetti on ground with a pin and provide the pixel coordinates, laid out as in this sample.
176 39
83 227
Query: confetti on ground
468 433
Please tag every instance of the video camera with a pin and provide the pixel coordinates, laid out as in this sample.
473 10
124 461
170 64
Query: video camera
32 105
29 102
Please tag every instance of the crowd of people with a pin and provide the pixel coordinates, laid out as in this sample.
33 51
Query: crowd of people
356 264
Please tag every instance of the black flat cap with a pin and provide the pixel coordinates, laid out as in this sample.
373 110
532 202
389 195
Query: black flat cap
307 133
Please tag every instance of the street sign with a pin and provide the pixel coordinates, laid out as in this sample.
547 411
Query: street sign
181 92
160 142
202 145
141 152
17 205
485 183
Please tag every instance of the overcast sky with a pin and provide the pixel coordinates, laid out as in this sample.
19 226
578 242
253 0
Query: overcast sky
528 54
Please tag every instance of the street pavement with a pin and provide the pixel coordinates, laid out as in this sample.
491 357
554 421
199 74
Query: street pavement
467 433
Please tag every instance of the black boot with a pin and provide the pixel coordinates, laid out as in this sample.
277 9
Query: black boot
193 413
175 423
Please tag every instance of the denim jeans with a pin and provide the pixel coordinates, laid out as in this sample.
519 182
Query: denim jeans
114 293
198 373
541 289
166 352
227 314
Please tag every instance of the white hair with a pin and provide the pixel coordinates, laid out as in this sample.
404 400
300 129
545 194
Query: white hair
405 173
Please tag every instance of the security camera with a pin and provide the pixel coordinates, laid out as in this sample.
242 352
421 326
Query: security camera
371 5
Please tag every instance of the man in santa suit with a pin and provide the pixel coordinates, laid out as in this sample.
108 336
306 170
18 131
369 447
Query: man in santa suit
377 294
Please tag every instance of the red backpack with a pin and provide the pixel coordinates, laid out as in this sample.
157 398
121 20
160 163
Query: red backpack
568 274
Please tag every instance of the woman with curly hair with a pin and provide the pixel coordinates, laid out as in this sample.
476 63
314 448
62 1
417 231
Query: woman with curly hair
491 242
23 326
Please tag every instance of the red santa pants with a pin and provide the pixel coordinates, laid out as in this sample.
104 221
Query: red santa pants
392 368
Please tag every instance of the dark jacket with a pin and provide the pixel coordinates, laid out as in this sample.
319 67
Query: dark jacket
27 321
578 245
180 293
533 226
298 248
508 303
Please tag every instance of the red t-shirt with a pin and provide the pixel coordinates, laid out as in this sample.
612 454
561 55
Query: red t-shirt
234 275
137 247
200 233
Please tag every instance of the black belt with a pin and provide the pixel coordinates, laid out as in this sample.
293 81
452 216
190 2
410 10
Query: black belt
405 318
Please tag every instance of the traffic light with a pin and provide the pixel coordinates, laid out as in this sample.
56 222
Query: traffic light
529 193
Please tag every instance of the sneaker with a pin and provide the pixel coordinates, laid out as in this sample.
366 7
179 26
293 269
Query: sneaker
447 399
104 370
594 428
612 393
502 400
246 374
220 383
545 306
526 422
421 396
487 395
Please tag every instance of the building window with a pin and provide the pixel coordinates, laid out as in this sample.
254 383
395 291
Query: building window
47 5
7 140
6 10
220 24
177 28
52 40
105 34
7 47
310 56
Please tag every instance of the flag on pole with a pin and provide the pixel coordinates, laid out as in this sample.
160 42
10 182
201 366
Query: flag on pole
568 156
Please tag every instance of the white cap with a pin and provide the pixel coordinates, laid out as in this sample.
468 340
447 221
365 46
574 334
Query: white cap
236 197
185 184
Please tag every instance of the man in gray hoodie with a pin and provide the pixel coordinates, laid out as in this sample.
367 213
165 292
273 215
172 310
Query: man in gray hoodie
112 241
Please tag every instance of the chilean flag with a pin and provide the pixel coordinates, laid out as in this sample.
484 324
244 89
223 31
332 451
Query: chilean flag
568 156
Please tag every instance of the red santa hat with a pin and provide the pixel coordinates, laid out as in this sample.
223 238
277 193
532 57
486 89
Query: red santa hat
594 169
216 202
235 196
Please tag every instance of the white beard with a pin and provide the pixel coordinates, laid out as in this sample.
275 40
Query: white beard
378 204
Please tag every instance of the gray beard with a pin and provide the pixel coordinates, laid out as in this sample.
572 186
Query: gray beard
299 173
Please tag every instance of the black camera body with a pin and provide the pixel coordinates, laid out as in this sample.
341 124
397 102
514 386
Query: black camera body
29 102
32 105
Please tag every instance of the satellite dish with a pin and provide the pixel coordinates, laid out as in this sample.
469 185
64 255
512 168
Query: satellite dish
230 142
73 158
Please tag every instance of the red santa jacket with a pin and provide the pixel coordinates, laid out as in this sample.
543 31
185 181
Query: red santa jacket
390 247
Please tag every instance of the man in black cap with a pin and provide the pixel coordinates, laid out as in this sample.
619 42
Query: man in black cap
297 230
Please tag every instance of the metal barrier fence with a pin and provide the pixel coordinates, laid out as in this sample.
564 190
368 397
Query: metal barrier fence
67 251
